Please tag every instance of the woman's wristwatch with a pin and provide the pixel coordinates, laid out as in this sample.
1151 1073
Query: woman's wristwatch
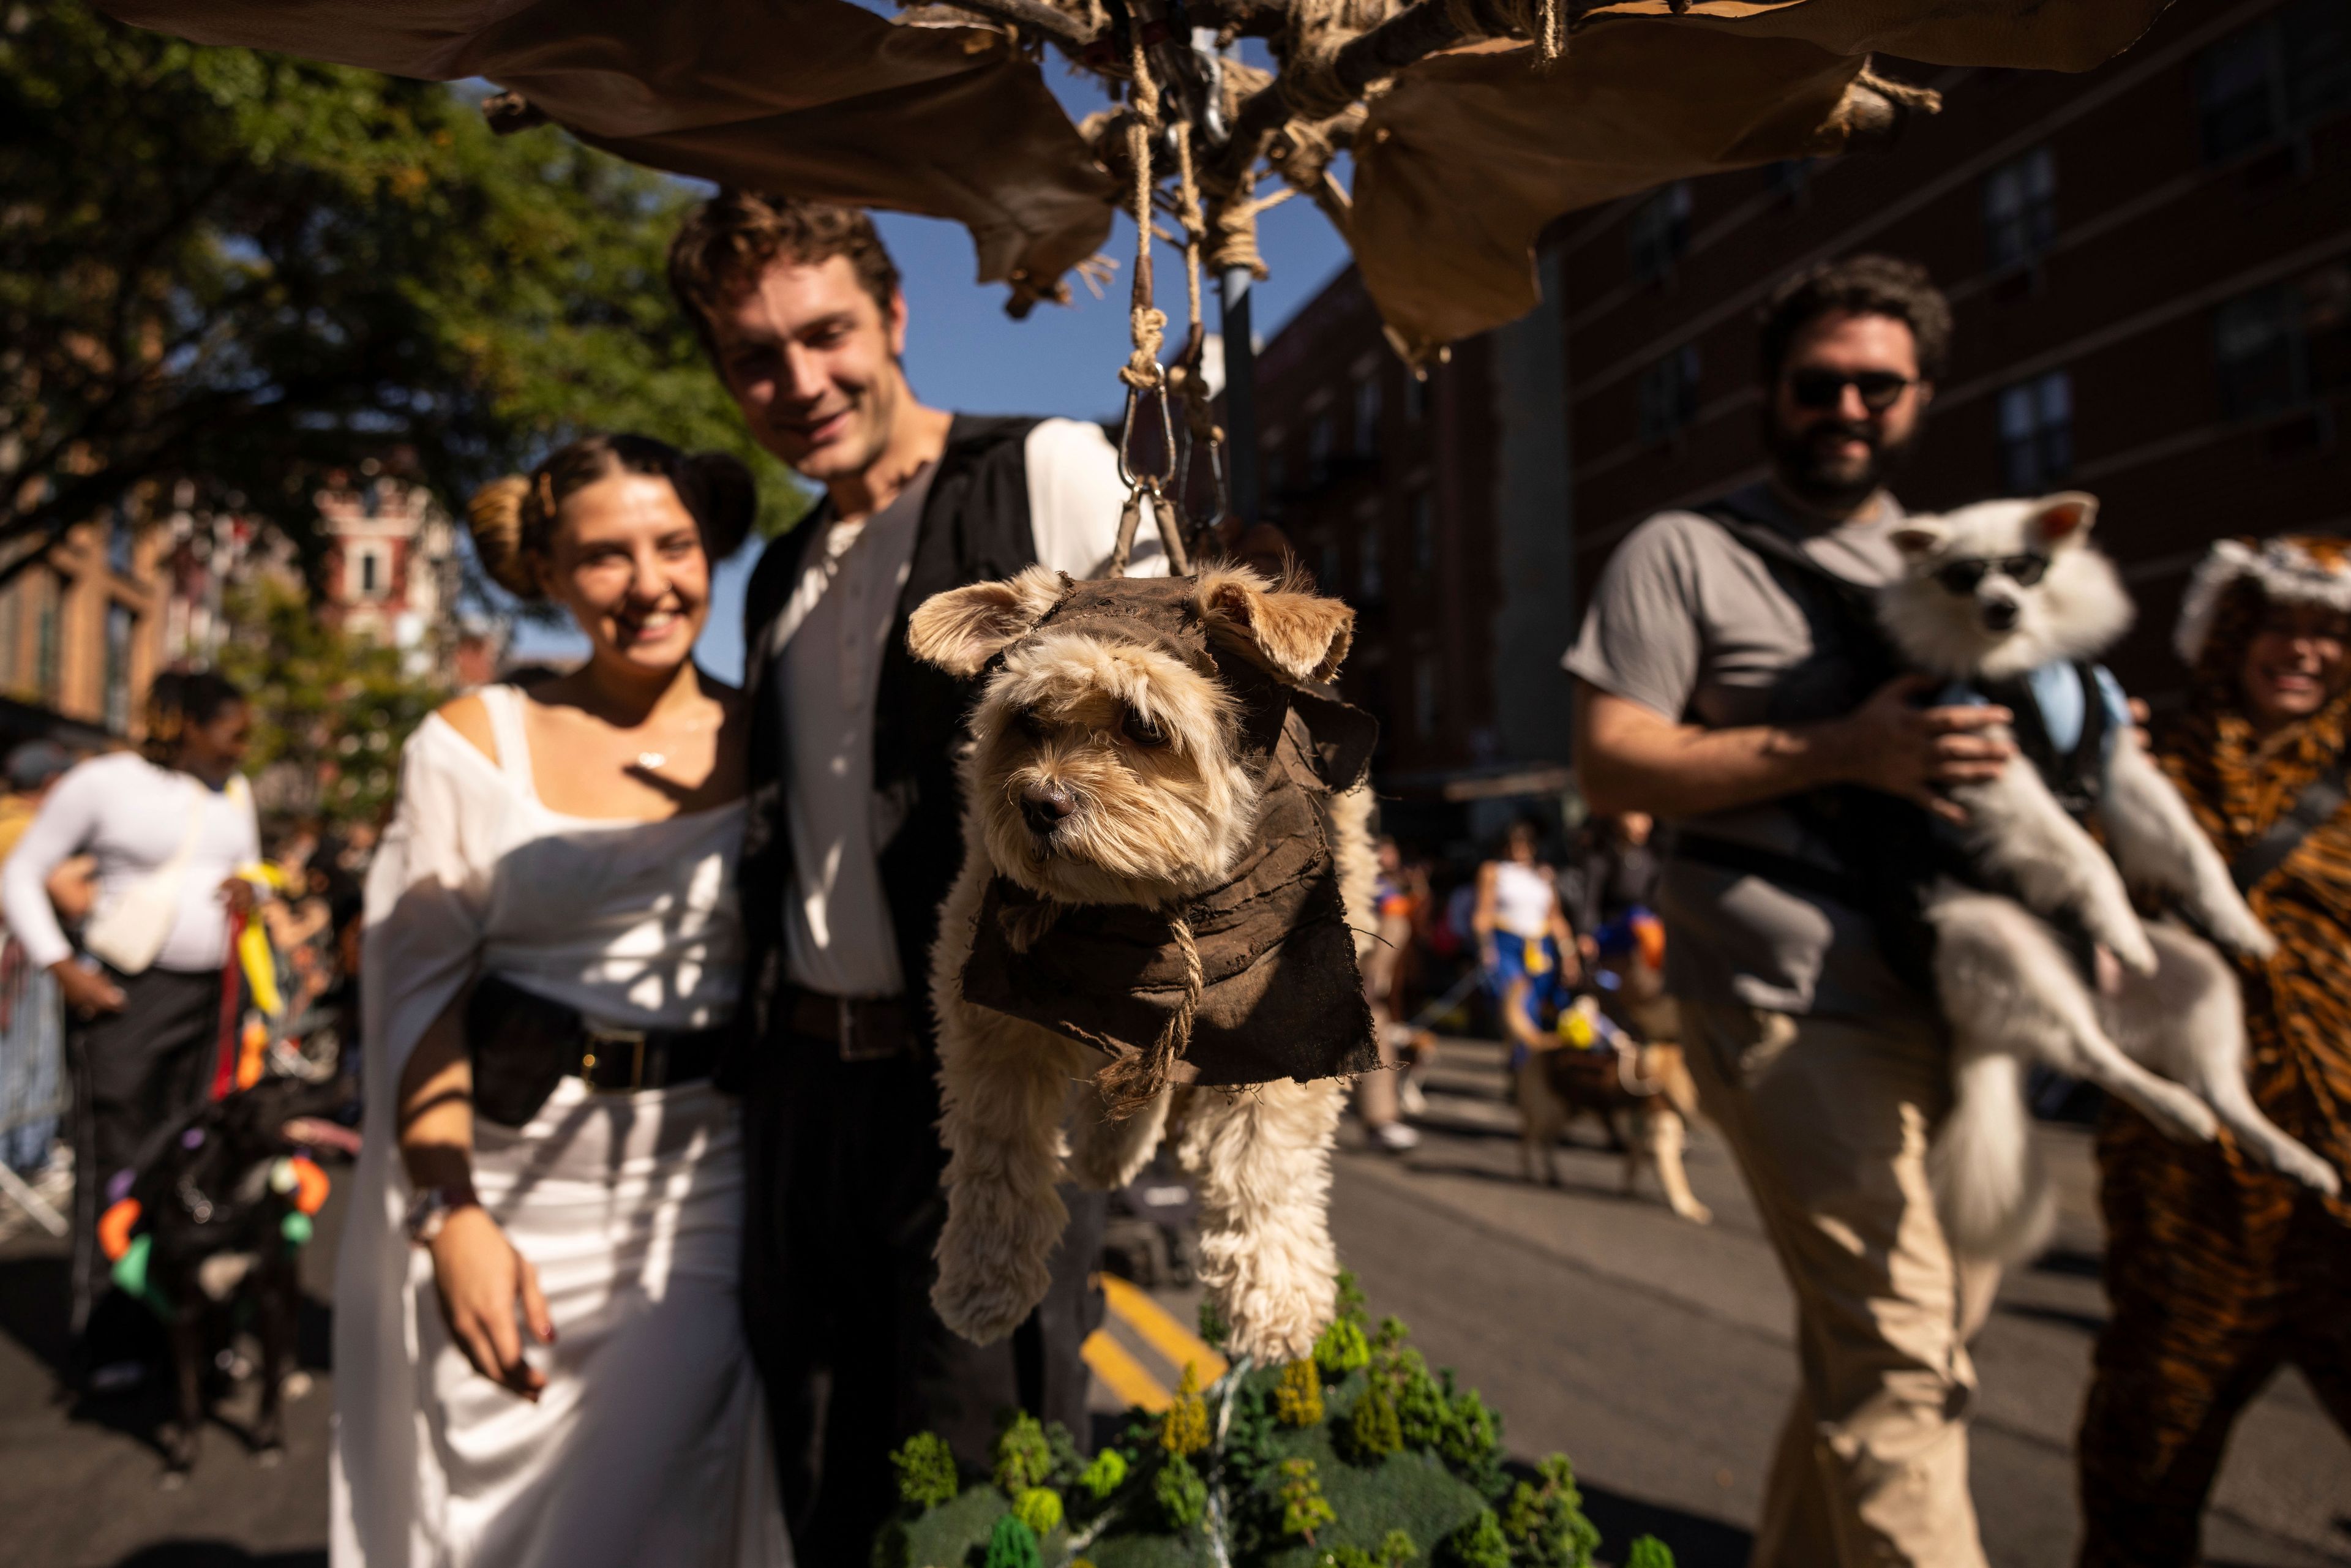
430 1209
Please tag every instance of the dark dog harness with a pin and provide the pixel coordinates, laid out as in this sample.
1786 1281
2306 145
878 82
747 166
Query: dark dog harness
1261 968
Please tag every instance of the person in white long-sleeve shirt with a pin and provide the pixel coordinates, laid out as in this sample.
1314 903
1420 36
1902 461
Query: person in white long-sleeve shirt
167 827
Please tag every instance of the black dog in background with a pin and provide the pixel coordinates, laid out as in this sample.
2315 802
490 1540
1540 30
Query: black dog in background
212 1231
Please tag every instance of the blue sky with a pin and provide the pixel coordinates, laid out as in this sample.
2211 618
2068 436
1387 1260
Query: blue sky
963 352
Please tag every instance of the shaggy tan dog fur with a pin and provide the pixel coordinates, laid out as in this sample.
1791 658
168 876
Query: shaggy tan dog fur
1136 748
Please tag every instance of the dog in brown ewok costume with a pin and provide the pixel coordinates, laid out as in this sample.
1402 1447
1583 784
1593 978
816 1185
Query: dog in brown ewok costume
1167 870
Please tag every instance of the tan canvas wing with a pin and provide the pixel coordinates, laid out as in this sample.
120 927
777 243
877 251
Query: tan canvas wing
813 98
1462 164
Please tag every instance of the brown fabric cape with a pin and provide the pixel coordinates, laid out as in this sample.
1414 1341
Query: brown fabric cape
1282 995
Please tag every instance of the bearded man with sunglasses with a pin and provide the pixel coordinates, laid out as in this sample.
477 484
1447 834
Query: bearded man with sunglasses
1730 678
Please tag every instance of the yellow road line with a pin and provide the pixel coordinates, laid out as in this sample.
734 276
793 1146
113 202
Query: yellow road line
1160 1331
1123 1374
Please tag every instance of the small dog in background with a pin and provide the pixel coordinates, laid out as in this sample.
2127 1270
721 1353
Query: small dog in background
1631 1064
2008 601
1111 773
215 1217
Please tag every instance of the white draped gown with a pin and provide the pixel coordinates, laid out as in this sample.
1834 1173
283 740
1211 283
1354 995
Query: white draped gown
650 1444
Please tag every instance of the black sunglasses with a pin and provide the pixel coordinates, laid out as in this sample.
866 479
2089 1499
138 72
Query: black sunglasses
1962 576
1880 389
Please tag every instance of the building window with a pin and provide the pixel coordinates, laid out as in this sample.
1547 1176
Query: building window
121 627
2281 346
2275 78
1368 416
1371 578
1659 232
2036 433
1667 394
1424 695
368 576
2020 206
1424 531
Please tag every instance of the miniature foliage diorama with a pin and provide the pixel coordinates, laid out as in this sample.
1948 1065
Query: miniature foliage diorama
1357 1456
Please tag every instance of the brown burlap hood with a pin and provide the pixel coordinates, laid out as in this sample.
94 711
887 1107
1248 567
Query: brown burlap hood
1279 995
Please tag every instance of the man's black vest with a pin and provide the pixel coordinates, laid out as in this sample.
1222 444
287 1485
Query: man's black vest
975 527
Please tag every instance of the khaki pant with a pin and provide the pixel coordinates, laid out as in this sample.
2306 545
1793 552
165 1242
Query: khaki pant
1829 1119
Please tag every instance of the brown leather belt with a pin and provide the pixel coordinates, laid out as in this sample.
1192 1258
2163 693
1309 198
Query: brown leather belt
625 1060
863 1029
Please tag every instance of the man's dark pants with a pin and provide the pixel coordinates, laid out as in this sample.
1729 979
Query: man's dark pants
844 1210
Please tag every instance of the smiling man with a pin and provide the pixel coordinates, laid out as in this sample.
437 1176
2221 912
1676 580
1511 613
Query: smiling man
852 838
1727 671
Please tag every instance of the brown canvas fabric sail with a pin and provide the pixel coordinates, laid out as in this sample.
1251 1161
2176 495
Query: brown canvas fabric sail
1459 164
813 98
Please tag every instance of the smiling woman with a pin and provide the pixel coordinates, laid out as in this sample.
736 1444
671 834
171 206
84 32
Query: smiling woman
552 954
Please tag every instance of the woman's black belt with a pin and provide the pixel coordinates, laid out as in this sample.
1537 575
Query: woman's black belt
523 1045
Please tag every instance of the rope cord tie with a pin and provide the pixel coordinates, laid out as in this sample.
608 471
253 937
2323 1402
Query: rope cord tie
1134 1082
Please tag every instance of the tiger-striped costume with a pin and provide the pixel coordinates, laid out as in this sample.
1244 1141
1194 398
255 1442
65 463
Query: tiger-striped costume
2218 1272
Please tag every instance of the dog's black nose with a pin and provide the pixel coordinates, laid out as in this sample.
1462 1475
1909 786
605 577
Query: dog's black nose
1046 806
1998 615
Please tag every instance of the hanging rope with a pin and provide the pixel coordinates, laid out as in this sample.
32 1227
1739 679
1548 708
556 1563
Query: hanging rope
1134 1079
1146 323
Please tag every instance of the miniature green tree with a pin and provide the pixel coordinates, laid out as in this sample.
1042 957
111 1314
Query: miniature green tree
1419 1403
1067 1463
1213 1330
927 1470
1304 1508
1012 1544
1298 1398
1544 1520
1351 1306
1185 1428
1023 1457
1469 1439
1342 1348
1105 1475
1477 1544
1038 1508
1182 1495
1649 1552
1373 1431
1397 1549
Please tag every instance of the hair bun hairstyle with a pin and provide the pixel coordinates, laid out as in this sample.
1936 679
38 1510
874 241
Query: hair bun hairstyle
495 518
513 520
718 490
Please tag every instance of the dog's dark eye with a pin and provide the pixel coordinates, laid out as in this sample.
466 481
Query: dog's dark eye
1142 730
1026 720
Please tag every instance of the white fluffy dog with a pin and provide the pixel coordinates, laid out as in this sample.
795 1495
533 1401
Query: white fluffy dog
1109 772
1994 592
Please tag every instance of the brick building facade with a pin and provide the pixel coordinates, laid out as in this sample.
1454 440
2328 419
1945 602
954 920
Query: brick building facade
2151 265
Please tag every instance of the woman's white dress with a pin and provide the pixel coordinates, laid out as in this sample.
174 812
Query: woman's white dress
650 1444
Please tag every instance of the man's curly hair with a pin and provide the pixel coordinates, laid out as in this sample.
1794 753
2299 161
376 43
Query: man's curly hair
1867 286
730 239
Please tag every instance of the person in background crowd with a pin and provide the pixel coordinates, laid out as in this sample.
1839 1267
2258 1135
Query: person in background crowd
2218 1272
1615 875
1524 943
538 1357
1729 666
854 833
169 824
32 1024
1386 966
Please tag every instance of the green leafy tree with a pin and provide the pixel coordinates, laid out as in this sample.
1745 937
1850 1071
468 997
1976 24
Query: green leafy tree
1213 1330
1012 1544
927 1470
1304 1508
1024 1457
330 707
1185 1428
1342 1348
1105 1475
1038 1508
241 269
1373 1430
1182 1495
1477 1544
1471 1441
1648 1551
1544 1521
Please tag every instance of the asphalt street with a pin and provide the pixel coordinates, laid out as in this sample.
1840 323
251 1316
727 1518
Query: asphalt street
1658 1354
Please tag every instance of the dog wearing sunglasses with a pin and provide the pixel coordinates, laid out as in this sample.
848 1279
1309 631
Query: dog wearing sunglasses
2008 602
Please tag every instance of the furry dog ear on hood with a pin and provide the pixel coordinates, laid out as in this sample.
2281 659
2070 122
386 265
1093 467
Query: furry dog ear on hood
961 629
1298 636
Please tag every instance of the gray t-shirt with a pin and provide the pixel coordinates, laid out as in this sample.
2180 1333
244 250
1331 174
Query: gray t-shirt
1694 626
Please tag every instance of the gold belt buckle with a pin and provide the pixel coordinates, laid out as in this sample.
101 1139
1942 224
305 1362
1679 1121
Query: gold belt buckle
599 1039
